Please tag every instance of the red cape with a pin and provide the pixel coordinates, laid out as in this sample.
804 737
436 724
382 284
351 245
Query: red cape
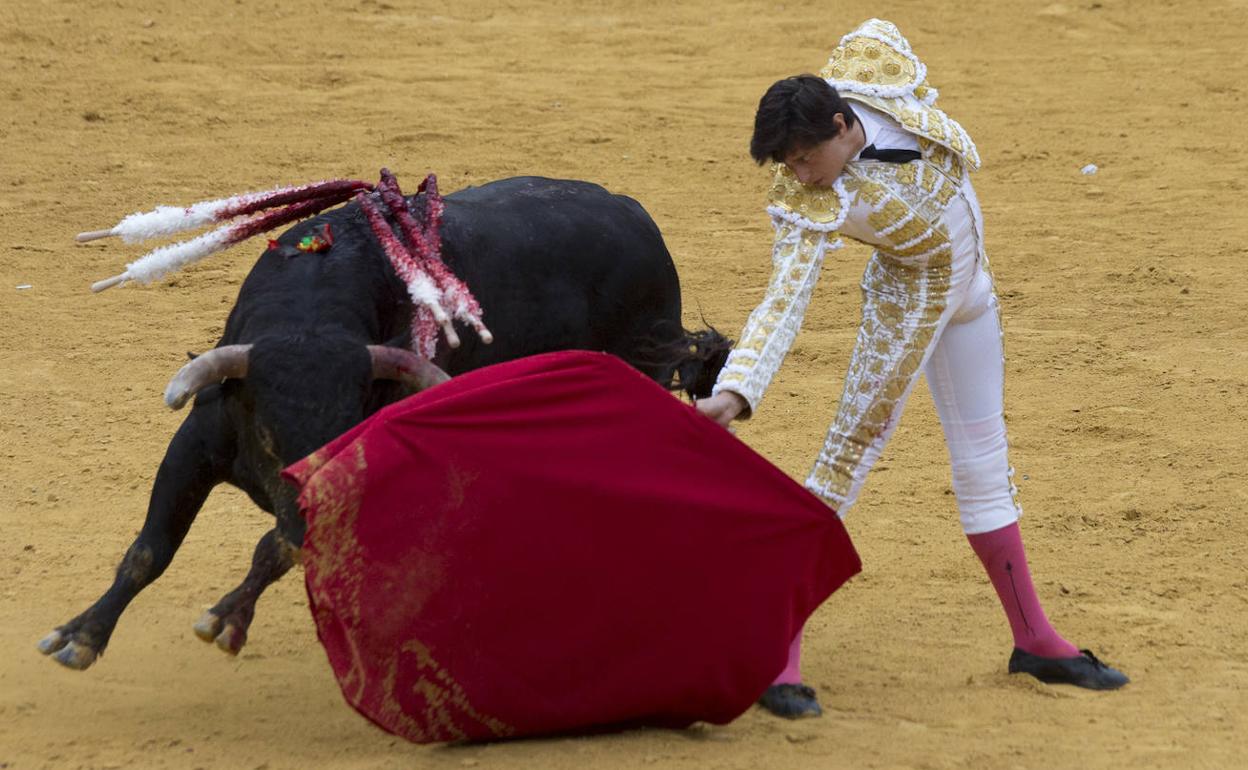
556 544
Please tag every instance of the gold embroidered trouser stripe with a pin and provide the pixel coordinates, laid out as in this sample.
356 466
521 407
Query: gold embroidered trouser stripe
901 314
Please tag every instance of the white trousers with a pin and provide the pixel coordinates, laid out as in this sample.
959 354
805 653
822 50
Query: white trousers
943 323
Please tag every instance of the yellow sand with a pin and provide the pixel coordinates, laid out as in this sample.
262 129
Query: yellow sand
1123 296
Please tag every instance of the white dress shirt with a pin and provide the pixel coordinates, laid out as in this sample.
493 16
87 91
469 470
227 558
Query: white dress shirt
882 131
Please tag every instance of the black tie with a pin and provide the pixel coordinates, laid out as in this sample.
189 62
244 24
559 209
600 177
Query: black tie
889 156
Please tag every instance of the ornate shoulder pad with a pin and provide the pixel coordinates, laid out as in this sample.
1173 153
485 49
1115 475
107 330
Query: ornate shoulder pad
812 208
876 60
874 65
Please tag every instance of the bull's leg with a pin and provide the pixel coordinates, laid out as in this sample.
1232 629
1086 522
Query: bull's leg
228 621
194 463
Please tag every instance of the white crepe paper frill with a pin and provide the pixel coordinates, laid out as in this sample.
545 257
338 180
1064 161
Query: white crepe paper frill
175 256
167 220
423 291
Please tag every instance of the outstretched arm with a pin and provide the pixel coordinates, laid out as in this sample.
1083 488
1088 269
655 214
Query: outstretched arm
769 332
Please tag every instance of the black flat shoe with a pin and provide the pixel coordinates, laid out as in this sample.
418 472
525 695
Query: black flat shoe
791 701
1082 671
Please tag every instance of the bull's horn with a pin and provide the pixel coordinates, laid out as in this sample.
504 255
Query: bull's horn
405 366
211 367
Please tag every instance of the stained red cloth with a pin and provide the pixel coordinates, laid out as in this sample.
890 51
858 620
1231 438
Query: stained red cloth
556 544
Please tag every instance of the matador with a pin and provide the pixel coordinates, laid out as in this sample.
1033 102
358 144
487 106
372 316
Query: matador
863 152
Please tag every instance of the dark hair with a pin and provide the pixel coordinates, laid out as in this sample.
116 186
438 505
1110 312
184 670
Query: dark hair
796 113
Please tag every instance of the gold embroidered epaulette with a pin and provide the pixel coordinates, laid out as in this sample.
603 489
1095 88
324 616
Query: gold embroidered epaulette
875 66
813 208
876 60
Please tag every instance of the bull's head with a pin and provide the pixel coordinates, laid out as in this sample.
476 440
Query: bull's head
231 362
287 397
299 394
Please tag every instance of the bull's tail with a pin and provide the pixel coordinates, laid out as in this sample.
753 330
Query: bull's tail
686 361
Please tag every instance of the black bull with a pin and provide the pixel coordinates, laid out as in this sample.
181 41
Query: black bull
555 265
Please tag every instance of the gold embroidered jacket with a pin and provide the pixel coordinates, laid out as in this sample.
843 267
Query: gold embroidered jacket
897 208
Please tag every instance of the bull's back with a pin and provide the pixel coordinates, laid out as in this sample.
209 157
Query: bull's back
348 290
555 265
559 264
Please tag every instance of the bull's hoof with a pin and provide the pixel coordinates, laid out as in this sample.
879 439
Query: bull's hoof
228 636
69 653
231 639
208 626
52 642
77 656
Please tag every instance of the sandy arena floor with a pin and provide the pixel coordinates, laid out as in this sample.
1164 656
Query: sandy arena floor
1126 340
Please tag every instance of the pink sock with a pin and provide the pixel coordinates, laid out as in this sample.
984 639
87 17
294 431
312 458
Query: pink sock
1001 552
792 673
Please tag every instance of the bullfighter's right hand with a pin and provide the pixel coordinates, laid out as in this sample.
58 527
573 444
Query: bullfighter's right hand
723 408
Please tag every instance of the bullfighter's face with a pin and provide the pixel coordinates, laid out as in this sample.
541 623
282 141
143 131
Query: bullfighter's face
819 165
